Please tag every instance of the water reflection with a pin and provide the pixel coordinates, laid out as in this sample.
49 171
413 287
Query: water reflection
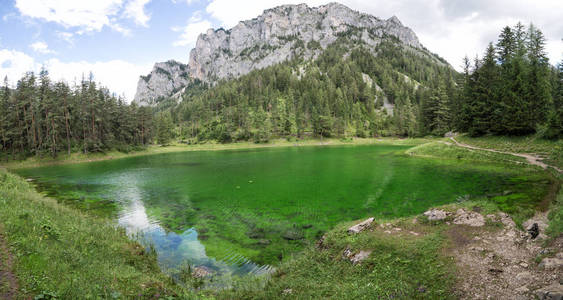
174 250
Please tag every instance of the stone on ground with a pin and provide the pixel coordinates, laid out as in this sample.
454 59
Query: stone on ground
361 226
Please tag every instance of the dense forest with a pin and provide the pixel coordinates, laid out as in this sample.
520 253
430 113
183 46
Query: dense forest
41 118
349 92
345 92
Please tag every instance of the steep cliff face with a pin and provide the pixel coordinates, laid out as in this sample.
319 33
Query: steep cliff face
279 34
284 32
165 79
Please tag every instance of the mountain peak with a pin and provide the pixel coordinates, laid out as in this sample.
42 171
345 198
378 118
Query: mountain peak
282 33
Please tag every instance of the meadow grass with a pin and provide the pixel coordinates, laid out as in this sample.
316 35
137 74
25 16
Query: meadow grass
552 150
64 253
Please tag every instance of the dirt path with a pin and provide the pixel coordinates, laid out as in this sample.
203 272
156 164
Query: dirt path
8 282
531 159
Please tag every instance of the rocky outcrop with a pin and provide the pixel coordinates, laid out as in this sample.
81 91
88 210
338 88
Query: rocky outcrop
165 80
278 35
286 31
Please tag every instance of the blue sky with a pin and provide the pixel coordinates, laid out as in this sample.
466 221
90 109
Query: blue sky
118 40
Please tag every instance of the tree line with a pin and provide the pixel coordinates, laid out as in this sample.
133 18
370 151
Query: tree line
40 117
512 90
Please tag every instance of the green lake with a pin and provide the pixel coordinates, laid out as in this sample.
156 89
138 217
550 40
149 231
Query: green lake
242 211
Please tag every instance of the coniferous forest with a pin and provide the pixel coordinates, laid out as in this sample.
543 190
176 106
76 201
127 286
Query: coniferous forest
346 92
44 118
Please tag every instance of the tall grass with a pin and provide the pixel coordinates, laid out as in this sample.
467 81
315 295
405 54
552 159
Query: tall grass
68 254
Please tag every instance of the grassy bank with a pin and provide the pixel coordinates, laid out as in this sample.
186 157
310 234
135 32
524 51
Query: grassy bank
552 151
176 147
65 253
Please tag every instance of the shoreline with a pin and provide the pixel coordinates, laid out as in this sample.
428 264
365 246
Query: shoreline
76 157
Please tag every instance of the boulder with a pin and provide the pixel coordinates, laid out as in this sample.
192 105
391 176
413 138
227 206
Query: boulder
436 214
552 292
361 226
360 256
551 263
470 218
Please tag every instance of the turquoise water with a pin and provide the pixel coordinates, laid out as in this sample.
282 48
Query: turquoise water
242 211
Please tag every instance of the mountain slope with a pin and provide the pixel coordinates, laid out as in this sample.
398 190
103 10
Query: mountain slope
280 34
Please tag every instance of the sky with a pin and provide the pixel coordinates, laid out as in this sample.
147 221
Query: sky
119 40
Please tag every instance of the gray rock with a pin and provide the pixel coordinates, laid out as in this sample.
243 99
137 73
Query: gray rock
277 35
361 226
360 256
552 263
471 218
165 79
436 214
552 292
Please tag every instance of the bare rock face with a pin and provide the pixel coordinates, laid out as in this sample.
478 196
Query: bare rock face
165 79
361 226
283 32
279 34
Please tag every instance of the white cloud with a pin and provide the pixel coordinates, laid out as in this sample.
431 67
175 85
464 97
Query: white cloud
66 36
89 15
86 16
189 2
119 76
136 11
41 47
190 32
14 64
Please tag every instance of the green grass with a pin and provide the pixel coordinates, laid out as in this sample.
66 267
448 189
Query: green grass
555 217
551 150
64 252
403 267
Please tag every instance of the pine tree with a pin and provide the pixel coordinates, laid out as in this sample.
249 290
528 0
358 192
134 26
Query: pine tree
539 92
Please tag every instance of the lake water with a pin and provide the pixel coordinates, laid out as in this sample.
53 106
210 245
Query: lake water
242 211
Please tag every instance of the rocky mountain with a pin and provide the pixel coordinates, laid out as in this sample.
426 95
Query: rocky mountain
165 79
279 34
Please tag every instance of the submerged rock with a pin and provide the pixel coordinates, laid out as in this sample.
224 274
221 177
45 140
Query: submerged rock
293 234
201 272
436 214
361 226
471 218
